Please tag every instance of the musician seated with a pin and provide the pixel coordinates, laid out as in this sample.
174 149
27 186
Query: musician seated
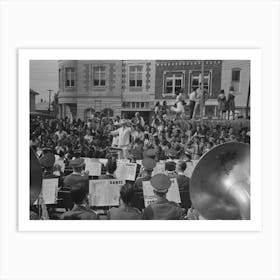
77 176
111 167
162 209
125 211
146 175
81 210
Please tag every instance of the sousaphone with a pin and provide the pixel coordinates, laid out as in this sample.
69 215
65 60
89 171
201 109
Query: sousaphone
35 177
220 183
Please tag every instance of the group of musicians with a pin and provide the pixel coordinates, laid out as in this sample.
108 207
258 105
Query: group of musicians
165 138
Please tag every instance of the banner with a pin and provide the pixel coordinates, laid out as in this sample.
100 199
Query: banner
126 171
173 193
93 166
104 192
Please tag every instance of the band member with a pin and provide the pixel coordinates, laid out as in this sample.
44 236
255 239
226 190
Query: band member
77 176
81 210
192 102
124 138
162 209
125 211
111 167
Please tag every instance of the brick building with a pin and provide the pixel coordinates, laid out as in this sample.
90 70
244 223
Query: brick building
138 87
88 86
172 75
236 73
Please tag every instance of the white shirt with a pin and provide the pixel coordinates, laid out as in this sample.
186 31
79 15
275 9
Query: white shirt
124 136
192 96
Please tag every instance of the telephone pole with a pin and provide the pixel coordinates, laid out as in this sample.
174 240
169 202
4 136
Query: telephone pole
50 91
202 92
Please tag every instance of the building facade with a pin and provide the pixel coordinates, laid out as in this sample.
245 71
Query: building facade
138 87
89 86
236 74
32 98
172 75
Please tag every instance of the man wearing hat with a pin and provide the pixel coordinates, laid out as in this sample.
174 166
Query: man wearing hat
162 208
81 210
146 175
148 165
77 176
150 153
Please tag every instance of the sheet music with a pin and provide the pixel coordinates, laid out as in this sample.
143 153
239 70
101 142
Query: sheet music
126 171
93 167
104 192
49 190
172 195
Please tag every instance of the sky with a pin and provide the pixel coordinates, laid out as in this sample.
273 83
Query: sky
43 76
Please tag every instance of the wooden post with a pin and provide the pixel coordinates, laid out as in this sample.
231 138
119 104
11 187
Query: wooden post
202 91
248 102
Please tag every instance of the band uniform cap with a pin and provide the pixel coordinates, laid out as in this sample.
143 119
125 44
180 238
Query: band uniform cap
222 91
161 182
46 149
47 160
149 163
231 88
78 162
151 153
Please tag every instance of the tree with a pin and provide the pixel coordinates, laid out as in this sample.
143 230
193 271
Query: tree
55 104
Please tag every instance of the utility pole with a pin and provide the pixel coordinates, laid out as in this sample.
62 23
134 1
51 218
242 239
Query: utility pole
202 92
50 91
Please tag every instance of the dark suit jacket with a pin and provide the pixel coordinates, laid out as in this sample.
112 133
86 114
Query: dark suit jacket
73 179
184 189
127 213
80 212
163 209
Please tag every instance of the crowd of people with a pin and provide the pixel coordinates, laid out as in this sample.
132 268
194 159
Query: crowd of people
170 136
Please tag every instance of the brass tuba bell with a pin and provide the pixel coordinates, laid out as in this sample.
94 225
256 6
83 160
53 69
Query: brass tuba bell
35 177
220 183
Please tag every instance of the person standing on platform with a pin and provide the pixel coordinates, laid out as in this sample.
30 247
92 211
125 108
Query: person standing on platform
231 103
125 211
192 102
162 208
222 104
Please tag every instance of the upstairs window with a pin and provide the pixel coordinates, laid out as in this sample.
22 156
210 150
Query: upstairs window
135 76
99 76
173 82
235 79
70 77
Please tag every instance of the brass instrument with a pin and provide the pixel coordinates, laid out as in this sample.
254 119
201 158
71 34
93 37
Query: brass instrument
36 180
220 183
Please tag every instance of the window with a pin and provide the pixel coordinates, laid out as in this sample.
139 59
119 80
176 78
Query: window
99 76
135 76
173 82
235 79
70 77
195 81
